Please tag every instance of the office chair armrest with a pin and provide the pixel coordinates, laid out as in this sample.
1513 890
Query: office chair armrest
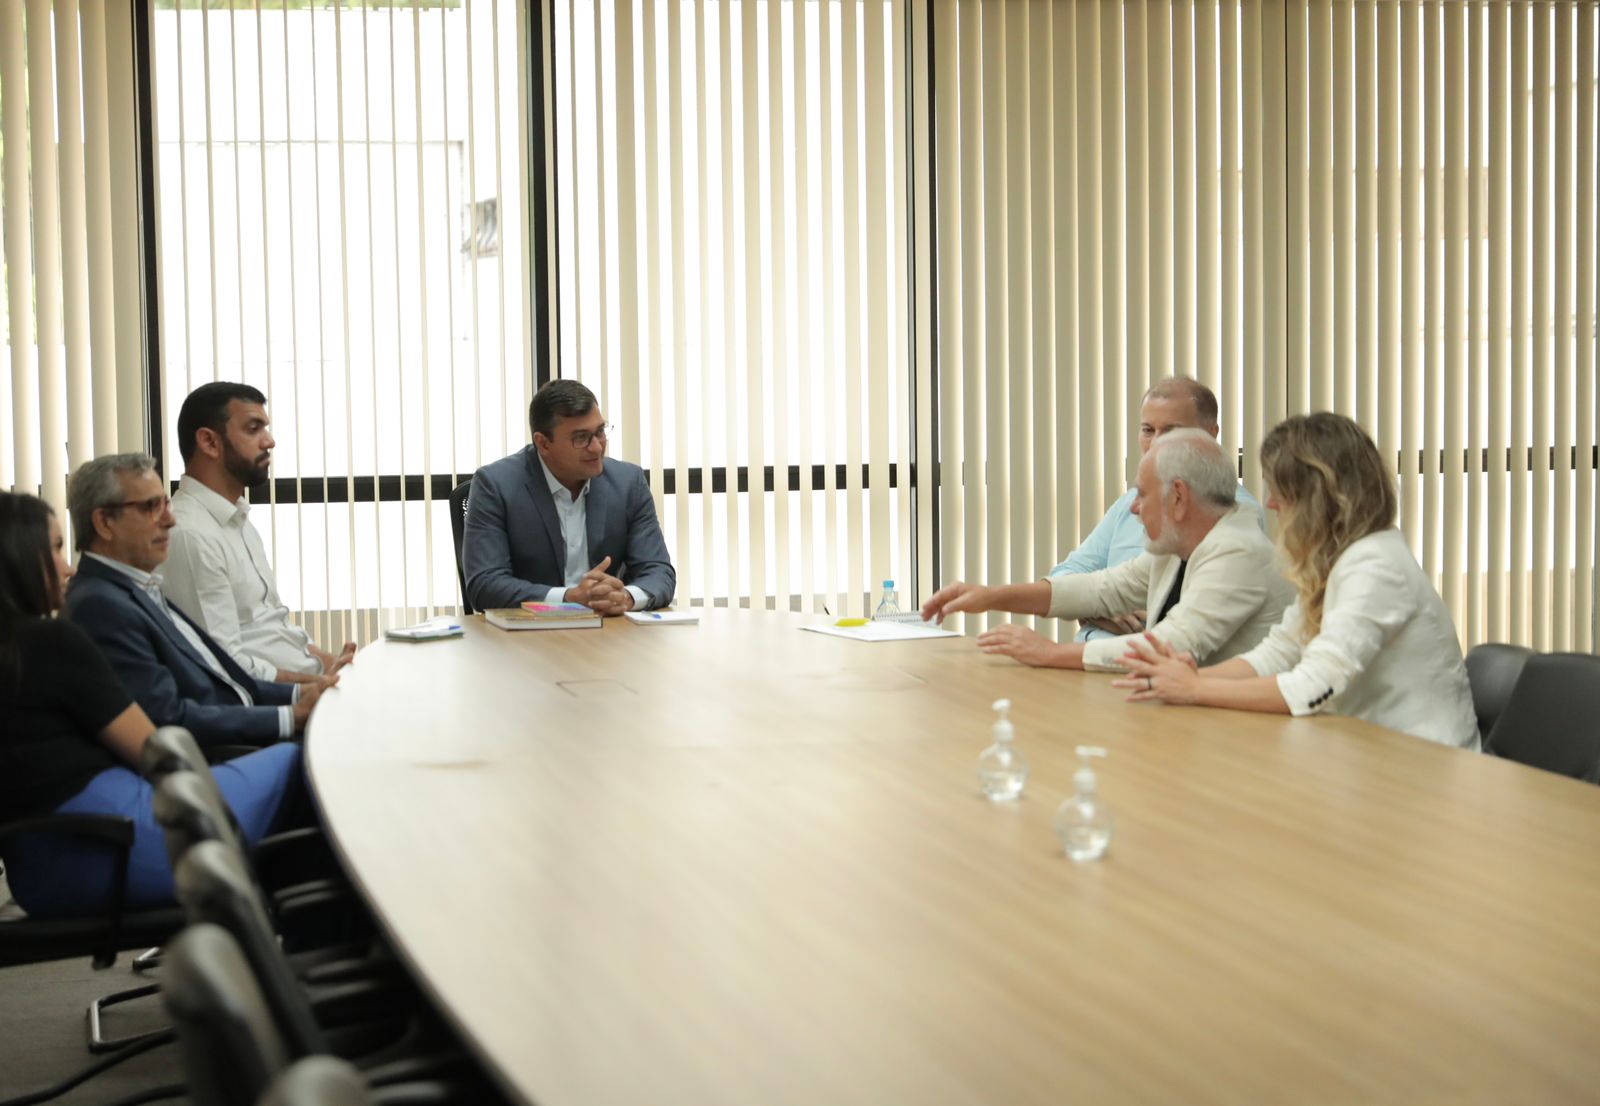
320 913
292 838
430 1093
109 829
294 856
220 754
312 894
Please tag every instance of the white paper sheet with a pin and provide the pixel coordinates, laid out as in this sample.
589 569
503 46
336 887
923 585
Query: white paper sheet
884 631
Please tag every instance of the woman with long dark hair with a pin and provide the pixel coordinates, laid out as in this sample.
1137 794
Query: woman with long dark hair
69 732
1368 636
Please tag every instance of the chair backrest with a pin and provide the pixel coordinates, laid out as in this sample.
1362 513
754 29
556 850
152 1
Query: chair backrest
170 749
1492 670
189 809
318 1081
215 888
1552 720
231 1046
458 527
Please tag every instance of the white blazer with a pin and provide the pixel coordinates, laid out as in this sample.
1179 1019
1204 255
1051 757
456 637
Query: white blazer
1232 595
1387 651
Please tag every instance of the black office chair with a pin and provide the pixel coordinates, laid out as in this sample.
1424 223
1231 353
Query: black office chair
233 1050
458 526
1552 719
277 859
318 1081
101 934
320 916
198 813
215 889
375 1018
1492 669
174 749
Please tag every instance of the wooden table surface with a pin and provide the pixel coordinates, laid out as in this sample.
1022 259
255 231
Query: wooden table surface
738 863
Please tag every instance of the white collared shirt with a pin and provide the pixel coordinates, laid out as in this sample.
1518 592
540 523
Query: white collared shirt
574 516
151 586
217 573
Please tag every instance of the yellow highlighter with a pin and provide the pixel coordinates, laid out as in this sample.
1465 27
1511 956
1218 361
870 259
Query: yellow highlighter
851 622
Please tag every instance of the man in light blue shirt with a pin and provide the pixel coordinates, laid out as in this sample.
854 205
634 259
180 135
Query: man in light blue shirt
1170 404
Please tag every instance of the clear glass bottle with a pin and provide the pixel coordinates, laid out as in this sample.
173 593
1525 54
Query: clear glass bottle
1082 822
1002 769
890 603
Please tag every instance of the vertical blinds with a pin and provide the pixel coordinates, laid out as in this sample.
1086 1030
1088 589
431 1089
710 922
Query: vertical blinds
341 190
1380 208
72 383
733 270
1443 167
1386 208
1108 215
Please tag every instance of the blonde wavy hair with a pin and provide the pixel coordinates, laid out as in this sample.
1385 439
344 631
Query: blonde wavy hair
1332 490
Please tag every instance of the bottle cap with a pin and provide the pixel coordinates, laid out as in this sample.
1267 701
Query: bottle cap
1003 729
1083 778
888 583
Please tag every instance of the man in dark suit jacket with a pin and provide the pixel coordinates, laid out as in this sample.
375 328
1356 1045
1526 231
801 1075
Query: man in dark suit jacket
558 521
173 668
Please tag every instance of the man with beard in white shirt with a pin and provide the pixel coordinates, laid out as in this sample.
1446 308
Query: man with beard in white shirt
217 570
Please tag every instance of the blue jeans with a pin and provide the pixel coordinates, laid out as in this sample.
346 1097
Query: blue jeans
59 875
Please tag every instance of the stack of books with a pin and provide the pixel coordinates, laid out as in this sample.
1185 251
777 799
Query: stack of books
543 616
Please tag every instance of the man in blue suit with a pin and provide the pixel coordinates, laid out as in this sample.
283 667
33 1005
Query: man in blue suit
181 677
559 522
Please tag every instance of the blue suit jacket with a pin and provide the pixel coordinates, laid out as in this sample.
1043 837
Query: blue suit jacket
512 549
162 671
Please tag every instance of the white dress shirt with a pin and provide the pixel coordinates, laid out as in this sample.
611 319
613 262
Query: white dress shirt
217 573
1387 651
574 516
151 586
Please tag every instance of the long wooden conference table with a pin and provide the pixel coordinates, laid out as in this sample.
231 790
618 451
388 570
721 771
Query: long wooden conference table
738 863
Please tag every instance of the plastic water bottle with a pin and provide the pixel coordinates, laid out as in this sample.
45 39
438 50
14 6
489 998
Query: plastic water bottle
1002 769
1082 822
890 603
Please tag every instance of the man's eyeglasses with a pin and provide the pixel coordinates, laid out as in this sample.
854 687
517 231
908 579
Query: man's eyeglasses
155 505
582 438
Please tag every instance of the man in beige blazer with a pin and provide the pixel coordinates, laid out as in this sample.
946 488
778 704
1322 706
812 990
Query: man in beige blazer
1207 574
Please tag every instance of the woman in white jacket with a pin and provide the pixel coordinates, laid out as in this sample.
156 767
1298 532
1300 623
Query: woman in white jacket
1367 636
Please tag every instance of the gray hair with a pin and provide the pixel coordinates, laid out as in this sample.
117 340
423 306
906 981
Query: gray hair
1194 457
97 484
